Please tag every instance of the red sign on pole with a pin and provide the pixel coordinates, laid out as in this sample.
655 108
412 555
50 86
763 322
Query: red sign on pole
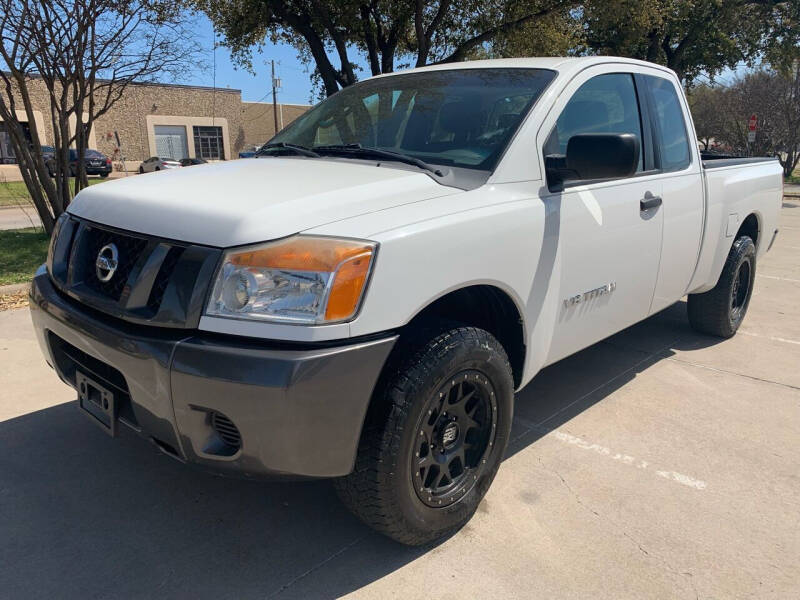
752 123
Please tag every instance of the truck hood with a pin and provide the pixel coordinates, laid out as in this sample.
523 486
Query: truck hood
251 200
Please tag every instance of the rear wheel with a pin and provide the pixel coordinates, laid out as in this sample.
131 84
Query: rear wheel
434 438
141 170
721 310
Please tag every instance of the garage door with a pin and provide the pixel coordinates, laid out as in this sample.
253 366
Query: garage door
171 141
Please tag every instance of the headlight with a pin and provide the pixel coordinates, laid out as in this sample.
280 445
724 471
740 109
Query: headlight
301 279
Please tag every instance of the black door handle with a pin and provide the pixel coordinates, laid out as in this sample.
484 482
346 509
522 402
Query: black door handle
649 202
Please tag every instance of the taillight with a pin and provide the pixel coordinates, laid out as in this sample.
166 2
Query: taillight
108 162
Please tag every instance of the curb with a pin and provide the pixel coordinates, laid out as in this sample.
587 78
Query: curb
14 288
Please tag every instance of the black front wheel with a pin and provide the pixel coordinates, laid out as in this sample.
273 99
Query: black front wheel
721 310
434 436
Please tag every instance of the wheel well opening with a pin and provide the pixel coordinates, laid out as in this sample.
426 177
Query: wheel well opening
749 227
486 307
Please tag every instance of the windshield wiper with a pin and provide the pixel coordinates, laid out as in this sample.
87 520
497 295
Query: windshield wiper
296 148
359 150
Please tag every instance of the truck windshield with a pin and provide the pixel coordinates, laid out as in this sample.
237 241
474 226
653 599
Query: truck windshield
460 118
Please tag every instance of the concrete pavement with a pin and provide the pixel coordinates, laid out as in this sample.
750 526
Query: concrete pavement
17 218
656 464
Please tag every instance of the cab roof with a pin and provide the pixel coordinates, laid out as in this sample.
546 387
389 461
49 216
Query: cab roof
554 63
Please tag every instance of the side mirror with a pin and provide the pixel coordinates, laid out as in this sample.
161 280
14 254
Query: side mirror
593 156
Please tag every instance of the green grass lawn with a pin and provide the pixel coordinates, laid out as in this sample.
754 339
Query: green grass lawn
14 193
21 253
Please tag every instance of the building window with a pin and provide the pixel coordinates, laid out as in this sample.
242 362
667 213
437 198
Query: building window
7 154
208 143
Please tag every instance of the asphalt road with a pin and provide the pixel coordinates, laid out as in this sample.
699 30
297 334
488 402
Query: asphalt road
656 464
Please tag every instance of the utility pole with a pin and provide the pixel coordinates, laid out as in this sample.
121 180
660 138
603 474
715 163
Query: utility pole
274 96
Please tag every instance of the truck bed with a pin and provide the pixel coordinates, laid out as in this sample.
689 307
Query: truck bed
734 189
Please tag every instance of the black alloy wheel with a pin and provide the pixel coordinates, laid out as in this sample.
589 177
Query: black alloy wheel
740 290
456 432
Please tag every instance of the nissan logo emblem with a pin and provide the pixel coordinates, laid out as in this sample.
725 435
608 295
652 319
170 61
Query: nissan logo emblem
107 261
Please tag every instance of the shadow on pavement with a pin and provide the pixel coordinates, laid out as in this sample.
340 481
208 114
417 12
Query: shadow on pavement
82 515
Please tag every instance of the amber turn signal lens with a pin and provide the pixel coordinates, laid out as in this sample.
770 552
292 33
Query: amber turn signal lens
348 285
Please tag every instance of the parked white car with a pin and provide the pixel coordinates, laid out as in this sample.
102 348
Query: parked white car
154 163
362 300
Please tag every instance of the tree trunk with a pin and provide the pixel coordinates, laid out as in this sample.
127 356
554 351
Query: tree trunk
369 39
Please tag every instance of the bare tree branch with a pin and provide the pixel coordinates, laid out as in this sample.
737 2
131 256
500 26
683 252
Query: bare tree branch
84 53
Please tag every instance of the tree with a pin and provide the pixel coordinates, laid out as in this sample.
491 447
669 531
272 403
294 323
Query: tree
773 96
708 108
85 53
560 33
329 33
693 36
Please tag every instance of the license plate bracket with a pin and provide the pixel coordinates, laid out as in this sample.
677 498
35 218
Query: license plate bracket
97 402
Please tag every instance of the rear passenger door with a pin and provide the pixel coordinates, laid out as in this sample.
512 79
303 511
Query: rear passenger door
676 157
608 245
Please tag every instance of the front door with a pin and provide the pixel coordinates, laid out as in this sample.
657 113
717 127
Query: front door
609 241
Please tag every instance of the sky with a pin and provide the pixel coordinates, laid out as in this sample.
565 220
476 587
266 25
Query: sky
295 78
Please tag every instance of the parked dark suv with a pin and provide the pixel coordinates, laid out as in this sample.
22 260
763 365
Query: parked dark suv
96 163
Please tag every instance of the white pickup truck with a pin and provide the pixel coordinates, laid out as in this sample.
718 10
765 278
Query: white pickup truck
362 299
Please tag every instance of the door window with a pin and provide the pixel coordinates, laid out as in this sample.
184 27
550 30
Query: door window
674 142
208 143
604 104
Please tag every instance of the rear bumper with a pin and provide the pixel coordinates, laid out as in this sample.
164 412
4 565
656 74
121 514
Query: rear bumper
298 410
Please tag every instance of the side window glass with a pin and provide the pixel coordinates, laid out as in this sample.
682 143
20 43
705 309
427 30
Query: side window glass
604 104
674 146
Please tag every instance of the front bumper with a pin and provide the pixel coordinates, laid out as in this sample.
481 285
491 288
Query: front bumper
298 410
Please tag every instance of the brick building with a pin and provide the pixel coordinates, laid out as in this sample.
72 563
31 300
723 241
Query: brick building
258 123
174 121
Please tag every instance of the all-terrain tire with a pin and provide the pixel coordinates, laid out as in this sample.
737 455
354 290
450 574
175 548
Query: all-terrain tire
721 310
382 490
